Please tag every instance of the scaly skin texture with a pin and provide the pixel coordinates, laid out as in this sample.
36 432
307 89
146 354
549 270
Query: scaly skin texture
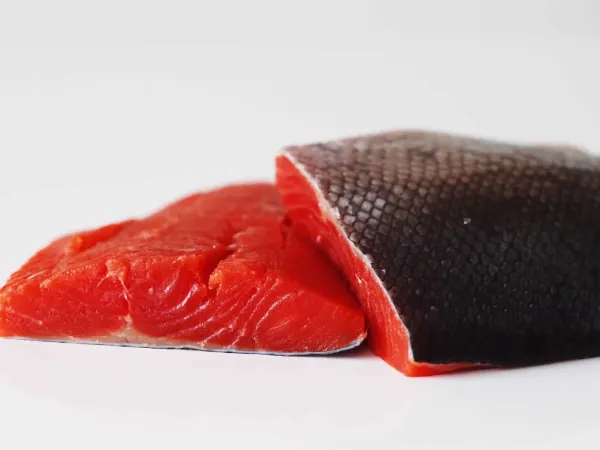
463 251
219 270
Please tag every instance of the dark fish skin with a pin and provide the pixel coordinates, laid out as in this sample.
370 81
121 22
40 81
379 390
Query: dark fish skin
489 251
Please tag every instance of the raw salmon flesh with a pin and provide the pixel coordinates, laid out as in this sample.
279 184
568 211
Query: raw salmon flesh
220 270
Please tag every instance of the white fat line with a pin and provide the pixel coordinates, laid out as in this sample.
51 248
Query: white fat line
275 304
24 316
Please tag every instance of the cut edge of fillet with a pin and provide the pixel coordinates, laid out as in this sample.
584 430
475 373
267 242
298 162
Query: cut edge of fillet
126 335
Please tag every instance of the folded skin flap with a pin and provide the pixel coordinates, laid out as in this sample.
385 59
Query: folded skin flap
463 252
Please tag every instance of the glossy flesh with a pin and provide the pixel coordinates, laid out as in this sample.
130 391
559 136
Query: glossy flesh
463 252
219 270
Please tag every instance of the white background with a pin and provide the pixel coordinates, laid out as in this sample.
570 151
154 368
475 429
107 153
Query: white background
110 109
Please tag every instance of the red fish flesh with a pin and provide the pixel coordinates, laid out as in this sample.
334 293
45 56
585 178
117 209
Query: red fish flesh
219 270
464 252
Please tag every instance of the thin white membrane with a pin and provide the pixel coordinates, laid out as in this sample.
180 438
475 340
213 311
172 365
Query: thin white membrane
199 347
329 214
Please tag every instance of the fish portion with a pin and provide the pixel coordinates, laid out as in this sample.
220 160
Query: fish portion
463 252
220 270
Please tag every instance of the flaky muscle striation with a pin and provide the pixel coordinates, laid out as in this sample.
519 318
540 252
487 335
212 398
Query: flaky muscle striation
463 252
219 270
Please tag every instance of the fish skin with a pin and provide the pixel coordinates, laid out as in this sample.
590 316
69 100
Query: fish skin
480 252
218 270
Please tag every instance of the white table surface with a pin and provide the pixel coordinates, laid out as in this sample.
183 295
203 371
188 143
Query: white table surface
108 112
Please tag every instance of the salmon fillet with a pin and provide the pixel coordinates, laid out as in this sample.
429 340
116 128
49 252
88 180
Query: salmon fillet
219 270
